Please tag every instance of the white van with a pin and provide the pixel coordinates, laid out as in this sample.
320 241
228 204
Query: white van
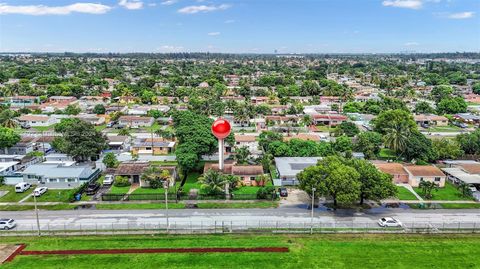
22 186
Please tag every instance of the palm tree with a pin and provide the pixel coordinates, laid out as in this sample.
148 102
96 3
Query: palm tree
396 138
124 132
10 123
307 120
427 188
242 155
464 188
213 182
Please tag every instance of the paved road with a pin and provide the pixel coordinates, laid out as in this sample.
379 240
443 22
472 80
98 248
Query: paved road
296 216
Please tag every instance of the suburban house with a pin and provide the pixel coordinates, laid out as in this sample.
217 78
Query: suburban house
457 175
23 147
135 121
118 142
394 169
143 110
430 120
132 170
89 102
153 146
418 173
37 120
91 118
328 119
471 168
289 167
247 173
258 100
56 175
303 136
467 118
7 168
58 103
22 101
248 141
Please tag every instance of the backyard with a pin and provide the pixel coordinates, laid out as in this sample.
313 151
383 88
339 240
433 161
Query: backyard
318 251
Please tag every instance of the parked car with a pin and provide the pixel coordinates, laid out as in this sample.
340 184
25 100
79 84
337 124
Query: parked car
108 180
424 125
389 222
39 191
22 186
283 192
472 188
92 188
111 124
7 224
460 124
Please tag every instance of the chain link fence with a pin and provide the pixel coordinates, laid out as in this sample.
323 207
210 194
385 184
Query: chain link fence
219 227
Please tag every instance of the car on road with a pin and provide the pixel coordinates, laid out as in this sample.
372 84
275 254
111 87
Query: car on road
92 188
7 224
108 180
389 222
283 192
37 192
22 186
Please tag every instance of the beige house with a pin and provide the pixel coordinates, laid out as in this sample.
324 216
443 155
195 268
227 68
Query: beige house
432 120
418 173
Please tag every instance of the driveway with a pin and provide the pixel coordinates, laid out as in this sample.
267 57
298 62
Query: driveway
295 197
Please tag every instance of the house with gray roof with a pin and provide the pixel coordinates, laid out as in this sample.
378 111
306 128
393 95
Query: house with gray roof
289 167
56 175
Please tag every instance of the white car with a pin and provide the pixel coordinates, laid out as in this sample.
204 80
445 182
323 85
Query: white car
39 191
389 222
472 188
108 180
7 224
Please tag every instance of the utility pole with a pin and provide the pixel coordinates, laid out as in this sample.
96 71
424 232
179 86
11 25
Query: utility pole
311 215
165 186
36 213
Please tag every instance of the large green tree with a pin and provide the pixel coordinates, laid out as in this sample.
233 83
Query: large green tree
8 138
80 140
369 143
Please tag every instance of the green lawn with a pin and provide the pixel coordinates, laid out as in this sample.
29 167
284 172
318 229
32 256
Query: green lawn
119 190
192 182
460 206
153 191
159 205
246 190
100 127
449 192
43 128
12 196
317 251
387 154
450 128
404 194
60 195
238 205
21 207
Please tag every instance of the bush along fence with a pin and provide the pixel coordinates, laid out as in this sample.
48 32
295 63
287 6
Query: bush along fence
179 197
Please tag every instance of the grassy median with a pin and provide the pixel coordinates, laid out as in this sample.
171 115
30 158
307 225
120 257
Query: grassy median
318 251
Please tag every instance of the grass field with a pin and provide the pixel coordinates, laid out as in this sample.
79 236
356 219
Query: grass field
192 182
12 196
404 194
449 193
247 190
119 190
461 206
318 251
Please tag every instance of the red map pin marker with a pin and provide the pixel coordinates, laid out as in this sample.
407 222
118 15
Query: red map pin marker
221 128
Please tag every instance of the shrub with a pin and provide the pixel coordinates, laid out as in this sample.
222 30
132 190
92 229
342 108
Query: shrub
122 182
265 192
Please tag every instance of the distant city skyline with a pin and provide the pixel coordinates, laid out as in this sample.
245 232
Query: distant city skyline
242 26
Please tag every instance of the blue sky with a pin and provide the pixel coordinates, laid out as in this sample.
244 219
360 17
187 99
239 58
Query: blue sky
240 26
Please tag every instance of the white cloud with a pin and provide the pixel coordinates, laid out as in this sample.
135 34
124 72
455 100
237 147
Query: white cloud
169 2
461 15
213 33
170 48
411 4
229 21
131 4
202 8
411 44
37 10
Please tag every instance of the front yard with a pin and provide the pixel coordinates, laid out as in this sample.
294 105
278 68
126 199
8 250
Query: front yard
58 195
12 196
404 194
448 193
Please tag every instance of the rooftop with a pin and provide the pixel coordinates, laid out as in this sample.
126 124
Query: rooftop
424 170
291 166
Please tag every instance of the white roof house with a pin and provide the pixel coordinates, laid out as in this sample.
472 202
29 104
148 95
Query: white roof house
289 167
461 175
